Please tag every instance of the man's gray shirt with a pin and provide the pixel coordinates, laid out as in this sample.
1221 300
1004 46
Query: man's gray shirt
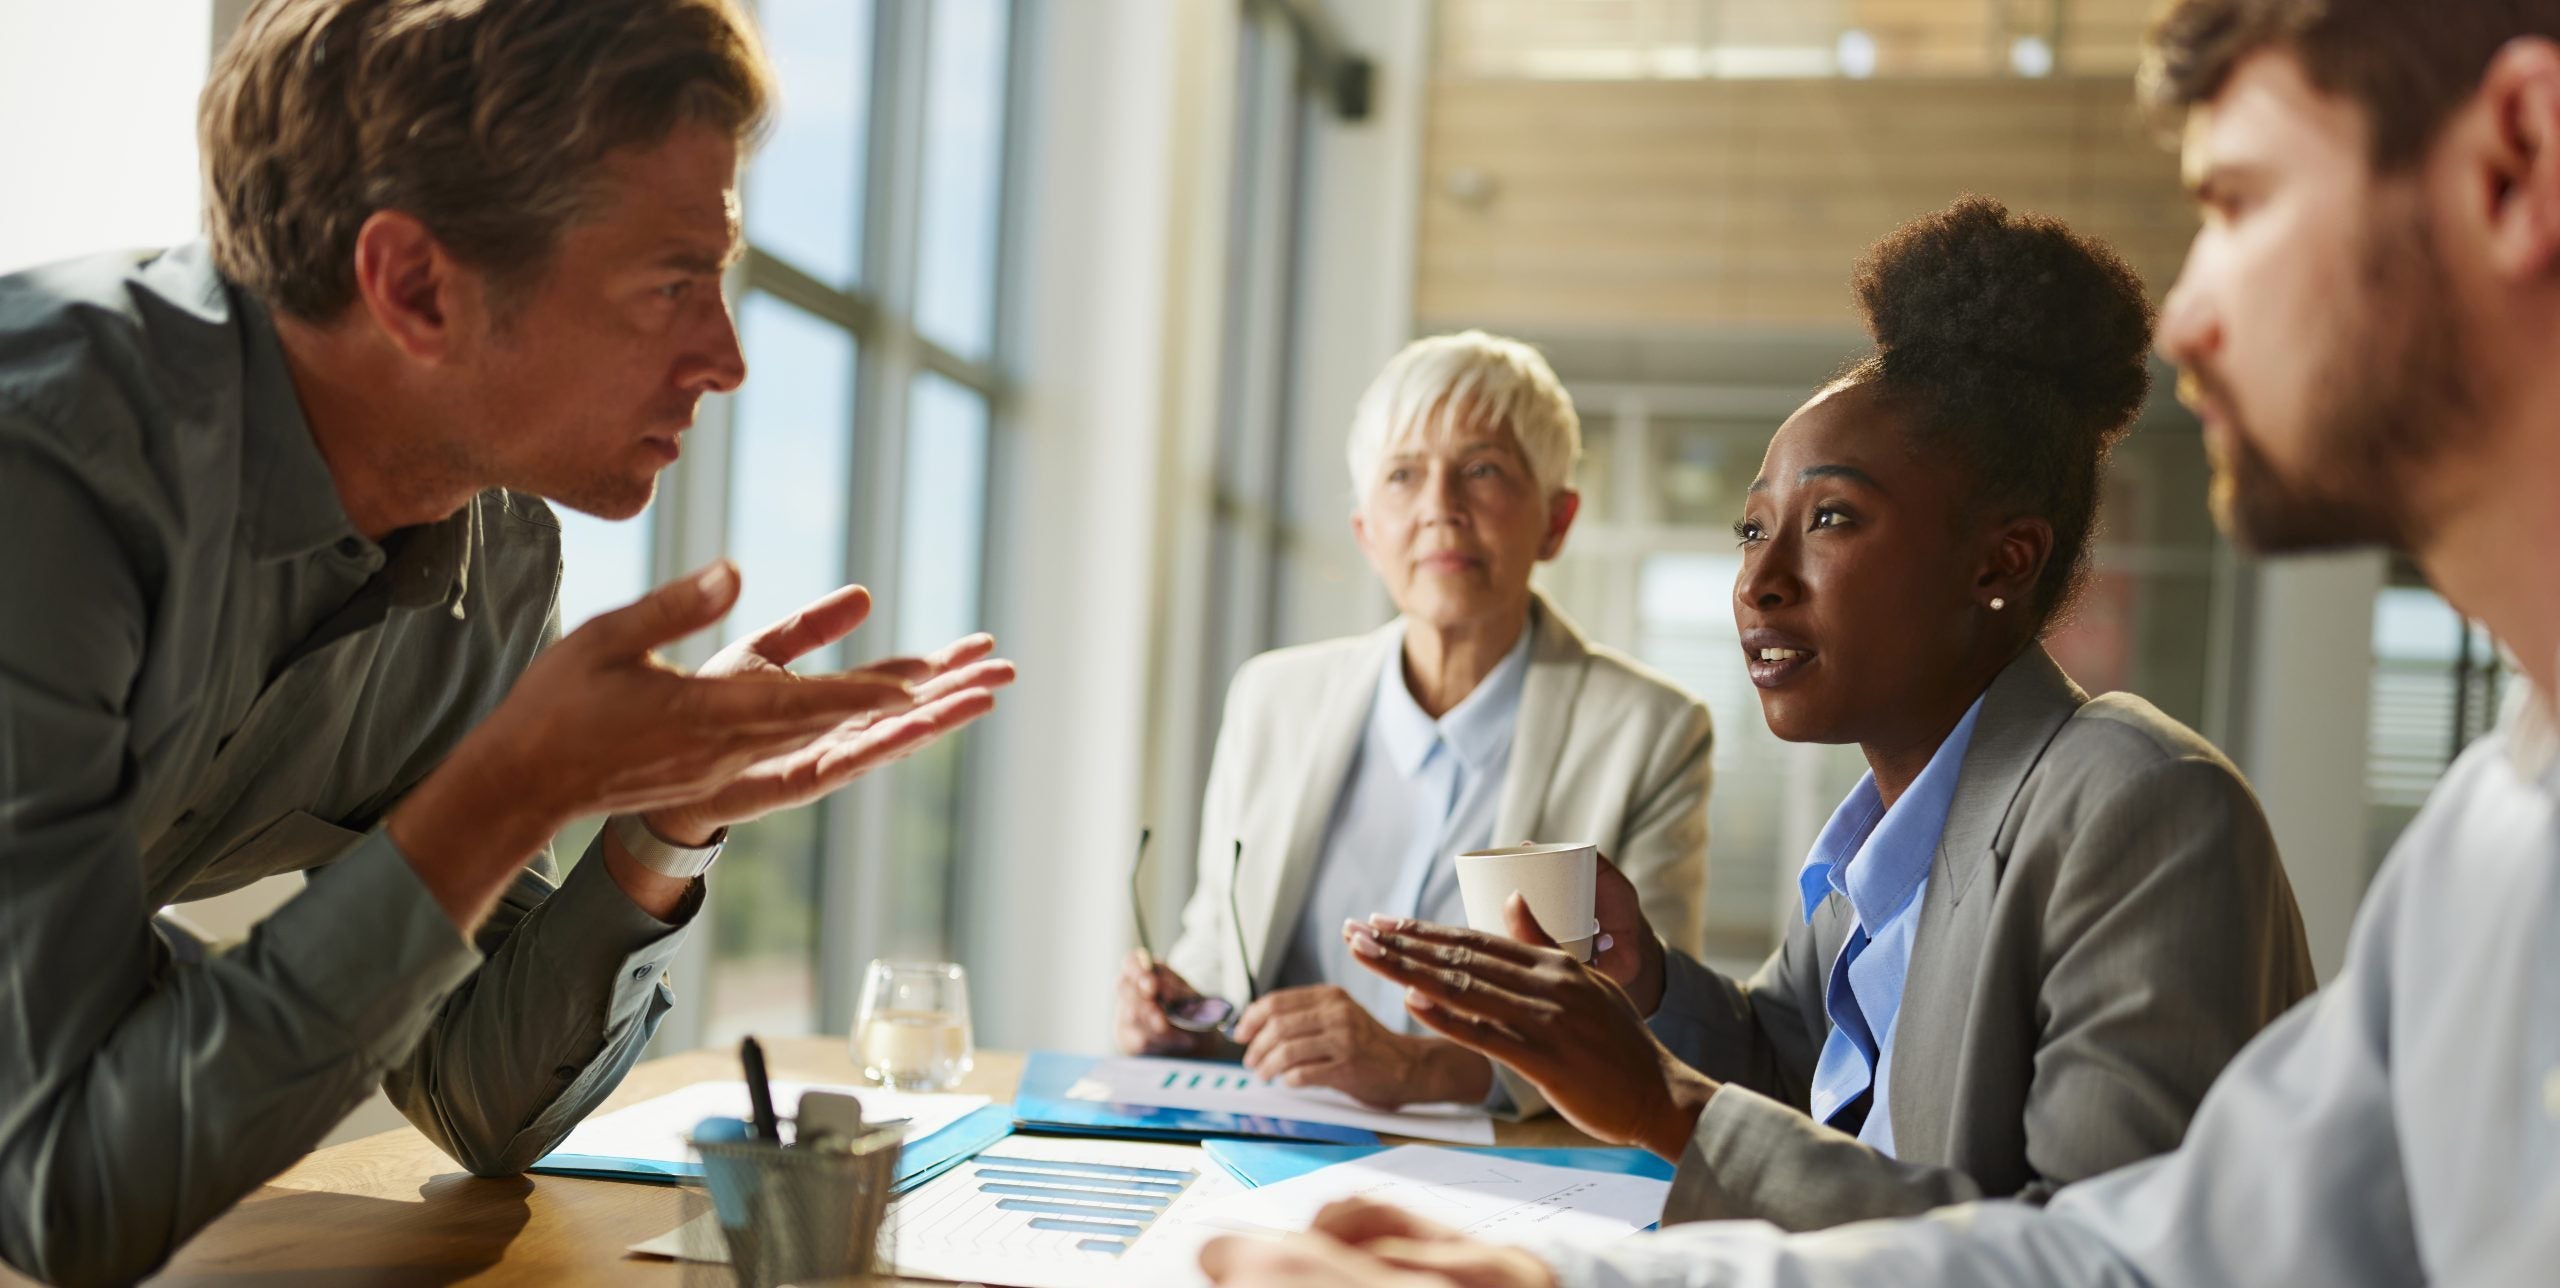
2400 1127
207 677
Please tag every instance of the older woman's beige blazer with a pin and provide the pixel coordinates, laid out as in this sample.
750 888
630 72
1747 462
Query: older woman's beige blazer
1605 750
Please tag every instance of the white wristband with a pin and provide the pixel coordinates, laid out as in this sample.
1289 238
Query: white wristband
662 856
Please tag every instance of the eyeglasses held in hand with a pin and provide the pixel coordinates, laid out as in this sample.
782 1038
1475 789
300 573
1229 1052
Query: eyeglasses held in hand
1196 1013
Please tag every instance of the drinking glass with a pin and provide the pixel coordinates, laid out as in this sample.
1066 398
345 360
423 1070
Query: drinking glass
912 1032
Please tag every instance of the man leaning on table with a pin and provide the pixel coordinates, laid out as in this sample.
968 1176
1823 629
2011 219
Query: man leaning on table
277 593
2367 324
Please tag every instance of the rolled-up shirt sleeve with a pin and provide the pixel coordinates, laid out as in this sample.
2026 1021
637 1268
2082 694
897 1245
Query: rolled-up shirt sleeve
573 987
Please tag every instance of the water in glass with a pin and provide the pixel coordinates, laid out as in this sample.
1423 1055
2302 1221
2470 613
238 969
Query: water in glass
913 1029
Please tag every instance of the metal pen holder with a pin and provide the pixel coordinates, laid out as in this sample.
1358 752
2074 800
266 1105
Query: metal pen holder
792 1215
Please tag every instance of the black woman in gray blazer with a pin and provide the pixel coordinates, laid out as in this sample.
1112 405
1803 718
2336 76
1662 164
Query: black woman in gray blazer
2103 922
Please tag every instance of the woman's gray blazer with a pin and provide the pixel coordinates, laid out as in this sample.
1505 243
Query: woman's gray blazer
2105 925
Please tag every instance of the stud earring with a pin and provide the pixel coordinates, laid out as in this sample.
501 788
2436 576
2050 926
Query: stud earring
1998 603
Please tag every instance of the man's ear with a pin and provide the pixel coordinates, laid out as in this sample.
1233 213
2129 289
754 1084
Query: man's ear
406 283
2515 156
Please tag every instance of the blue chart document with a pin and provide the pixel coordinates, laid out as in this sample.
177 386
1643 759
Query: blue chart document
1043 1103
646 1142
1190 1100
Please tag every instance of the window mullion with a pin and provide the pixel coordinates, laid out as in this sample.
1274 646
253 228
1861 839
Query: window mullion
855 890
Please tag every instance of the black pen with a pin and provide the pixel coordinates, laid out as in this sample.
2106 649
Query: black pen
759 1091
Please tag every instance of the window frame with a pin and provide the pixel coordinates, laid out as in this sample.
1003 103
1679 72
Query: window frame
690 524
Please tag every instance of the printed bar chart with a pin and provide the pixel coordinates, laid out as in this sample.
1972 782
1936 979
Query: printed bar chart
1018 1202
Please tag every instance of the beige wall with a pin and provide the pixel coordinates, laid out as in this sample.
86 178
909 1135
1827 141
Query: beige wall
1651 204
1676 37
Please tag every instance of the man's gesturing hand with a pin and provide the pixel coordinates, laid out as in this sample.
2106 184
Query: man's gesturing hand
600 724
951 688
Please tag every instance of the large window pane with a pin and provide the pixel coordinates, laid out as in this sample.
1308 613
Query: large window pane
1701 468
945 502
963 160
790 472
804 195
790 477
604 564
942 535
2144 623
1770 796
2437 684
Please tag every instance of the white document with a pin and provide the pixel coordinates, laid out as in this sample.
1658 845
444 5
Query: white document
697 1235
1193 1084
954 1228
1055 1212
1486 1196
656 1130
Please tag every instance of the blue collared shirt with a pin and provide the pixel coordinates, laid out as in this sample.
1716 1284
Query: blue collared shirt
1877 859
1419 792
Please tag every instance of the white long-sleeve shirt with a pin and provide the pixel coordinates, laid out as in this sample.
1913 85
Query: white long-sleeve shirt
2402 1126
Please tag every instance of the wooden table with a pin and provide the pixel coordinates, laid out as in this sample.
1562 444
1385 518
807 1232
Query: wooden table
392 1209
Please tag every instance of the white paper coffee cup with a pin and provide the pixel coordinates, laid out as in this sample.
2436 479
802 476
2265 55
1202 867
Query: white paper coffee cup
1560 880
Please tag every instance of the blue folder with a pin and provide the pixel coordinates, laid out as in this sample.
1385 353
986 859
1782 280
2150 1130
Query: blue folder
918 1160
1040 1105
1259 1162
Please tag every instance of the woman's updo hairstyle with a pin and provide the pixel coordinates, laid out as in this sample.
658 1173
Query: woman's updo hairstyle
2019 349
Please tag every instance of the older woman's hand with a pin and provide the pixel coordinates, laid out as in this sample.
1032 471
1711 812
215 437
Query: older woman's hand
1317 1036
1365 1242
1567 1028
1144 986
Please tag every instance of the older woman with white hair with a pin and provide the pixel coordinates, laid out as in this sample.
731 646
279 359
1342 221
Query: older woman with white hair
1349 773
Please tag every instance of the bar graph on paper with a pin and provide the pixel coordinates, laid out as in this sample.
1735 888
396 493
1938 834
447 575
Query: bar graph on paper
1029 1199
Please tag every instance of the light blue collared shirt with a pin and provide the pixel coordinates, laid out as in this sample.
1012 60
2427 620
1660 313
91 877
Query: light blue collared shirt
1878 860
1419 792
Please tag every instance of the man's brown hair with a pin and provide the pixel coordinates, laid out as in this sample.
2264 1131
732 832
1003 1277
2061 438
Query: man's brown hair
2407 63
486 120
